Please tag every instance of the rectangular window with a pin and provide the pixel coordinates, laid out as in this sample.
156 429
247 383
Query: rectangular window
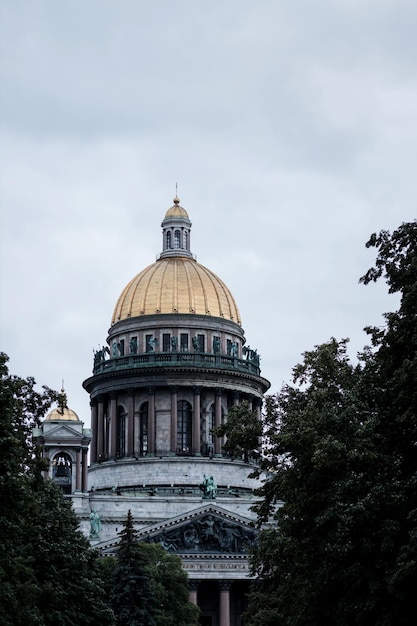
166 342
201 343
121 347
229 347
184 342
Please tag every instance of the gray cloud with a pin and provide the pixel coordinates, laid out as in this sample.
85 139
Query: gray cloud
290 128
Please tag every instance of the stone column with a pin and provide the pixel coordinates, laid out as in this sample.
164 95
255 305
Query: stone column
217 422
49 471
93 405
174 418
113 425
151 421
130 424
84 481
196 422
193 587
77 469
100 430
225 603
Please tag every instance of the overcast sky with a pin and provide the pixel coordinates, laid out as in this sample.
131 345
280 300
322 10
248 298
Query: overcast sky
290 127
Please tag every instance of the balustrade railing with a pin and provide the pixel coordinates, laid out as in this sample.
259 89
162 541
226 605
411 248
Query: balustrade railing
176 359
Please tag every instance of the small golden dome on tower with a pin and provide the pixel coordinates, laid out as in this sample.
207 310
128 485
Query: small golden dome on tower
62 412
176 210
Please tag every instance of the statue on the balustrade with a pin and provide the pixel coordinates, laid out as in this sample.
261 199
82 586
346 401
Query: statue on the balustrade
208 487
152 342
133 345
100 355
95 525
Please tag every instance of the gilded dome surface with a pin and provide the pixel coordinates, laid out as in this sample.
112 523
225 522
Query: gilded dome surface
176 285
63 415
176 211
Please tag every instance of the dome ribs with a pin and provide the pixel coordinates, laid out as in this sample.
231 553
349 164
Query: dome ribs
176 285
191 292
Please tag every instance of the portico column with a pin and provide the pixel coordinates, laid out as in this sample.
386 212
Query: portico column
174 420
130 424
196 421
113 425
151 421
84 481
78 469
225 603
218 422
193 587
100 431
45 473
93 405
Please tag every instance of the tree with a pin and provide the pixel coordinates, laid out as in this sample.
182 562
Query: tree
150 588
243 431
342 466
132 599
48 572
170 584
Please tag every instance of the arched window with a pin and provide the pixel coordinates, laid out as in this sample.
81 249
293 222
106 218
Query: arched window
121 432
184 427
143 429
177 239
169 240
62 471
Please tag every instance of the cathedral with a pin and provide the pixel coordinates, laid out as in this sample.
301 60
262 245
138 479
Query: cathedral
174 364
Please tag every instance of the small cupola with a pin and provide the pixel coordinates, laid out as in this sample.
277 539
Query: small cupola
176 229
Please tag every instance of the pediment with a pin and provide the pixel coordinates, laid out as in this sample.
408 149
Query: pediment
62 431
209 529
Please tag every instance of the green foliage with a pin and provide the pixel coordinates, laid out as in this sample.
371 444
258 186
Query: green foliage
341 456
150 587
243 430
48 573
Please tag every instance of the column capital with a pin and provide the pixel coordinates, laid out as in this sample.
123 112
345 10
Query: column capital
193 584
225 585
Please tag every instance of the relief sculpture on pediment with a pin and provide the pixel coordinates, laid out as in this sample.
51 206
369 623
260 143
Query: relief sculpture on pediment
207 534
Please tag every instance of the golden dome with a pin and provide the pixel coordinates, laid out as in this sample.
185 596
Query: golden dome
62 415
176 210
176 285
